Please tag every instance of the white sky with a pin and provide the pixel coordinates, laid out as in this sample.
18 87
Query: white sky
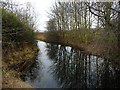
42 7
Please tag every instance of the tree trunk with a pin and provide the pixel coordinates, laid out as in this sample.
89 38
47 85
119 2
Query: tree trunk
119 27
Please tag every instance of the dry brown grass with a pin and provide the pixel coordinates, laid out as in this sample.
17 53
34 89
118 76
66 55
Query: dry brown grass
11 80
15 62
100 43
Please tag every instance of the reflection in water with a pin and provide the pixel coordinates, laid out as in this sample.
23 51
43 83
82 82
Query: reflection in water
40 76
65 67
75 69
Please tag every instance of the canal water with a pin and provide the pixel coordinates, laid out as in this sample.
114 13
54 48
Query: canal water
60 66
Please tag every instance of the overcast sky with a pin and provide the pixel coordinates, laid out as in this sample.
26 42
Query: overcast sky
42 7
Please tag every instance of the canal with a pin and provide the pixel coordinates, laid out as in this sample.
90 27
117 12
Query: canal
60 66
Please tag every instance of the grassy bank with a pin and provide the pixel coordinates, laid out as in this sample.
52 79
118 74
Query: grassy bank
21 58
97 42
11 79
14 64
19 47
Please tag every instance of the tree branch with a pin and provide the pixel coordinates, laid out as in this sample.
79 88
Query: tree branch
94 13
115 10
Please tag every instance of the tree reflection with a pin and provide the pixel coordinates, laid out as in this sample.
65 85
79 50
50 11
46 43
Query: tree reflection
76 69
52 50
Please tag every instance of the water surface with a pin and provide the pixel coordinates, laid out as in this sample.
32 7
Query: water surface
60 66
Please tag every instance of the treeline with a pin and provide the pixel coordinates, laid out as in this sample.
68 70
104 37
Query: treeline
18 25
86 22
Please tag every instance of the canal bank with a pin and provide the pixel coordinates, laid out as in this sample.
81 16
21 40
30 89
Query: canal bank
71 38
14 63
